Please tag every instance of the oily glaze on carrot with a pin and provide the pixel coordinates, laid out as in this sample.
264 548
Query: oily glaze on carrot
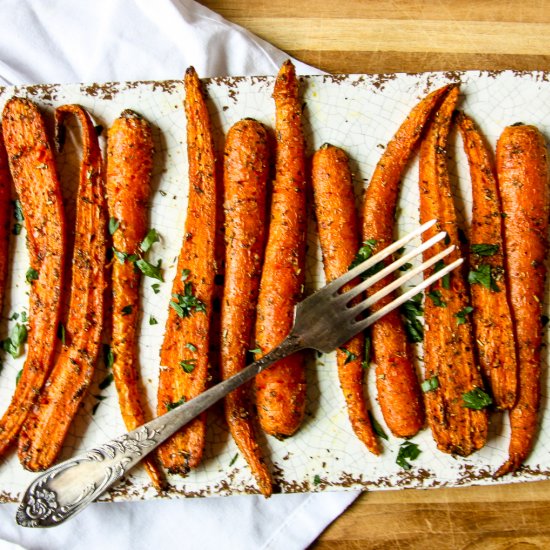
46 426
34 174
522 174
129 165
449 360
5 194
184 355
246 170
281 389
396 381
491 315
339 237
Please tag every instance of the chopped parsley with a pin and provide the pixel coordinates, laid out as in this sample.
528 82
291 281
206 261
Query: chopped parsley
188 365
484 276
476 399
316 479
349 355
151 238
18 376
18 336
113 225
175 404
187 302
411 310
152 320
61 333
234 459
31 275
485 249
191 346
18 211
156 288
436 298
126 310
108 356
430 384
446 279
461 315
407 451
106 382
149 270
185 274
378 430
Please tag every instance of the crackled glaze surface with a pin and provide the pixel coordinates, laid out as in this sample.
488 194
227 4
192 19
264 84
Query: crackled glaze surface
359 113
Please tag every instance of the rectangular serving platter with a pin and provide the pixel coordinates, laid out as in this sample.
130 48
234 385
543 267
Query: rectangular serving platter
359 113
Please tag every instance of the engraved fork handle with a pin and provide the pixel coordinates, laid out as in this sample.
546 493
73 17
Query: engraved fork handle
67 488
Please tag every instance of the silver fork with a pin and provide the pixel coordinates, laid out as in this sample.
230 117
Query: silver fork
323 321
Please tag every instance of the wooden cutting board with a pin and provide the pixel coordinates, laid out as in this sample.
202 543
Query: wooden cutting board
358 36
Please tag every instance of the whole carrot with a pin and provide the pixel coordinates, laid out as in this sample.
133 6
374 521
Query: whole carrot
246 170
338 228
129 165
281 390
396 381
522 173
491 314
46 425
5 194
34 174
184 355
454 396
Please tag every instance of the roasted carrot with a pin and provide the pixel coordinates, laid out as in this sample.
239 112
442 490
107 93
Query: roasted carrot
453 379
281 390
396 381
184 355
129 165
46 425
5 194
522 174
246 170
491 315
34 174
338 228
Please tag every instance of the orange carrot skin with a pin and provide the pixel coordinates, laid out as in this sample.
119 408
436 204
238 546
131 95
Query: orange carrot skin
448 345
129 166
246 170
522 173
338 228
493 328
187 337
281 389
34 174
46 426
5 195
399 393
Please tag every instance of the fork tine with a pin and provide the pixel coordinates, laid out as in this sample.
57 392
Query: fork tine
369 281
365 323
373 260
400 281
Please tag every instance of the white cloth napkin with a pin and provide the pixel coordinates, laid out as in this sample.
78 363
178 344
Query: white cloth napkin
60 41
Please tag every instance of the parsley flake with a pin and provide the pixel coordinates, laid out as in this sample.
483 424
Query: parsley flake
106 382
461 315
151 238
476 399
411 310
349 355
187 303
484 276
407 451
188 365
437 299
378 430
31 275
149 270
113 225
430 384
485 249
175 404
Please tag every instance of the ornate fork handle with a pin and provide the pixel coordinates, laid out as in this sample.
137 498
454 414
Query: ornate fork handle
67 488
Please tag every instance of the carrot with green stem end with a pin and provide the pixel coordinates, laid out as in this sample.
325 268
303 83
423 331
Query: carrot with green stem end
338 229
455 399
46 425
281 389
522 174
185 350
246 170
399 393
130 153
34 174
491 314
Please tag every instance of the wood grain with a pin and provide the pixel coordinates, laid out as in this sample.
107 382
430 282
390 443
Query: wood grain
355 36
